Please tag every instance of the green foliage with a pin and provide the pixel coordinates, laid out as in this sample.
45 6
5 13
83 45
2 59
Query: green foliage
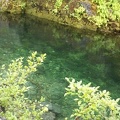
57 5
78 12
115 14
106 11
92 103
13 86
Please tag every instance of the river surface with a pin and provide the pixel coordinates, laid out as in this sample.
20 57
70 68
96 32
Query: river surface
81 54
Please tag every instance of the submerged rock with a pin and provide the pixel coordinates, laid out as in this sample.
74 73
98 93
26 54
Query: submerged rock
53 110
48 116
52 107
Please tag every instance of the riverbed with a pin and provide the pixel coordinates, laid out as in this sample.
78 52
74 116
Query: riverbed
74 53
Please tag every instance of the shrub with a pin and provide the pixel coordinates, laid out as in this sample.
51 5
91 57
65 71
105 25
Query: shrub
14 104
92 103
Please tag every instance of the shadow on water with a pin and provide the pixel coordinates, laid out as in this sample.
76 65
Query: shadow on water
81 54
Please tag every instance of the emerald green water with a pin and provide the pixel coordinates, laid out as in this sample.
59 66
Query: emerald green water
81 54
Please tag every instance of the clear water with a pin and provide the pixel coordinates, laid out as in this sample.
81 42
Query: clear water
81 54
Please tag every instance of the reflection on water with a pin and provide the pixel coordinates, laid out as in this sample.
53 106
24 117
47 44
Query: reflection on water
80 54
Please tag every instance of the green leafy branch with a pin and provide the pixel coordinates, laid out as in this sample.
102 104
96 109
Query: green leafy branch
92 103
13 86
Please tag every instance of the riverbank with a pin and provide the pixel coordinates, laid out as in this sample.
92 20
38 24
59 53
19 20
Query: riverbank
64 21
76 13
79 14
